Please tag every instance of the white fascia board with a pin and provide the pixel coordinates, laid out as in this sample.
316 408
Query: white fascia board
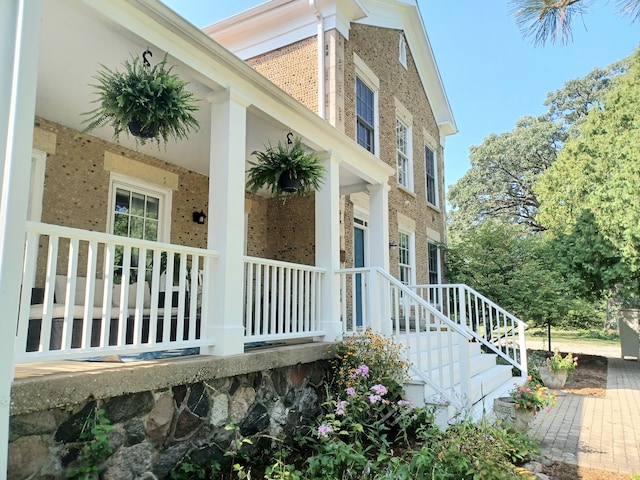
405 15
278 23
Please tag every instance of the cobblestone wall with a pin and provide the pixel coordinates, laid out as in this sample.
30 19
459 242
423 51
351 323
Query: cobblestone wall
155 430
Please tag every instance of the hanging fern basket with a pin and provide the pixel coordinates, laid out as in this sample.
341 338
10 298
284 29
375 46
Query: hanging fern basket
150 102
288 183
137 130
286 169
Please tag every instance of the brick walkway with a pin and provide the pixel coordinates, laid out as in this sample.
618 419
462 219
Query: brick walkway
596 432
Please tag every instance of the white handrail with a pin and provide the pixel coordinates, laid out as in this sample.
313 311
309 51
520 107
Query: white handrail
372 298
493 326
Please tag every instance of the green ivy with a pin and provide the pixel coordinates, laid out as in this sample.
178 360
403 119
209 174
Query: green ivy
95 448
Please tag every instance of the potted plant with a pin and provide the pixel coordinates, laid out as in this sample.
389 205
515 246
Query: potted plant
148 101
522 404
286 169
555 370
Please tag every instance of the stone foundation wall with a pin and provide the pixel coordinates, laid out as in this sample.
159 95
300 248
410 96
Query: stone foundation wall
154 430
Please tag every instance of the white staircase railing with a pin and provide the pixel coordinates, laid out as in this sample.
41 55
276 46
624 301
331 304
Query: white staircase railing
437 347
497 329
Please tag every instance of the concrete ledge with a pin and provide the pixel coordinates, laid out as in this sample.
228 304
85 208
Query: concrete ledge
39 387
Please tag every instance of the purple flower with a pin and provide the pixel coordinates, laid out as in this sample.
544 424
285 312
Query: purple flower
324 430
351 391
374 399
340 406
379 389
405 403
362 371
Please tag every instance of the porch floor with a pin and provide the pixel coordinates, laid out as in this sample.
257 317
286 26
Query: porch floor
45 385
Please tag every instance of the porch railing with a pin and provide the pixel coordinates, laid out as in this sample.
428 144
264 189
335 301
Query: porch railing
498 330
282 300
73 304
436 347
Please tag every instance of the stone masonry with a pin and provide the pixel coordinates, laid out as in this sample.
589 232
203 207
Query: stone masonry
155 430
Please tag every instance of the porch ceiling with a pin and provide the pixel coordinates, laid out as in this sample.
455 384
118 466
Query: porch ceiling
76 40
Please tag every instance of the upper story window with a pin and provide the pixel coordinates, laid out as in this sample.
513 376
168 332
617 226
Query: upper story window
403 151
402 51
365 115
366 106
432 176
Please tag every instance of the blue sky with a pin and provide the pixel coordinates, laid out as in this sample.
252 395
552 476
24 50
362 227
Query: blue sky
492 76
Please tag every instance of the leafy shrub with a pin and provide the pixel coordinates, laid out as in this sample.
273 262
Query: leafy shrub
369 432
383 357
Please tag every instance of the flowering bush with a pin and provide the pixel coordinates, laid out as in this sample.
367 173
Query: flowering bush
558 363
532 396
381 357
361 425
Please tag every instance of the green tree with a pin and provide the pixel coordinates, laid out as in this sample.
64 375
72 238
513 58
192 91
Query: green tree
499 184
516 270
543 20
596 181
505 168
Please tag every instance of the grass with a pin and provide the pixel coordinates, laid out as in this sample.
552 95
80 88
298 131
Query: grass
594 336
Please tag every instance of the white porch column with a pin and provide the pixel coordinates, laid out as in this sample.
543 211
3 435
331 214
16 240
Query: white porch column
379 225
226 231
327 220
20 37
378 253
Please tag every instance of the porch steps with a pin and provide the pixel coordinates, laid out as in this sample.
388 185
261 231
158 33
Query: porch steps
488 381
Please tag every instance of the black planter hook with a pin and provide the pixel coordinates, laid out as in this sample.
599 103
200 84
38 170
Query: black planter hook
145 62
289 138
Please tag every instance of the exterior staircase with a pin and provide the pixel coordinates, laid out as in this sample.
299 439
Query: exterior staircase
463 348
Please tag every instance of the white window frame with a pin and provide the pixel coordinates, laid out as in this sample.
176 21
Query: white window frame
366 75
436 189
411 266
36 185
404 173
438 271
402 51
140 186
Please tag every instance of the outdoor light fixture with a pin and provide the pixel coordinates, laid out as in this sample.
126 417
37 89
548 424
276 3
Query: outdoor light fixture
393 244
198 217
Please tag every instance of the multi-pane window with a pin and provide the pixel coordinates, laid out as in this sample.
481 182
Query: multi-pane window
434 270
365 115
402 150
432 176
136 213
434 267
404 258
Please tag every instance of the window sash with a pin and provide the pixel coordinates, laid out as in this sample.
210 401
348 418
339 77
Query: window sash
135 213
402 148
365 112
434 261
430 164
404 257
